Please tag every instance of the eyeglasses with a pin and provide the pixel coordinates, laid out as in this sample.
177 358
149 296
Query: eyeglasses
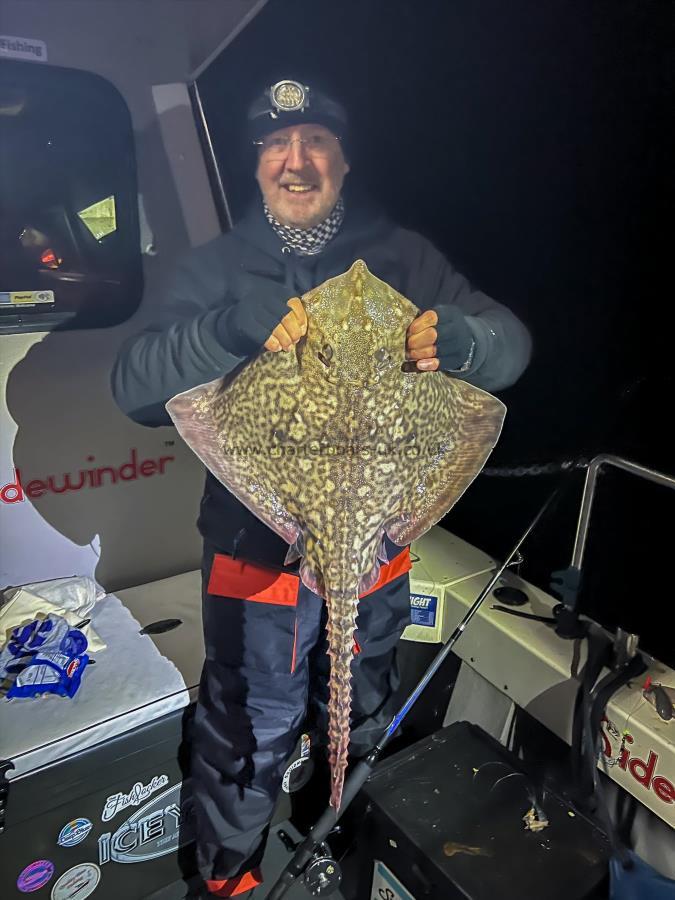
317 146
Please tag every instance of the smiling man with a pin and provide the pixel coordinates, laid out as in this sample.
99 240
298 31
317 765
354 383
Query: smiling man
265 675
301 171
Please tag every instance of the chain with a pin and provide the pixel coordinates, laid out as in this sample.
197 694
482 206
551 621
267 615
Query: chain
535 469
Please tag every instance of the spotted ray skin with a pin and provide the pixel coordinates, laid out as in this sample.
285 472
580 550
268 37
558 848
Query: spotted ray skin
331 445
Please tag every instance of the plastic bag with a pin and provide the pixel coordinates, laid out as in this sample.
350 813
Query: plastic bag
76 593
73 598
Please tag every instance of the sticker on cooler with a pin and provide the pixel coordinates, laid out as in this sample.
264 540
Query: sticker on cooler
423 609
386 885
156 829
35 876
139 792
77 883
74 832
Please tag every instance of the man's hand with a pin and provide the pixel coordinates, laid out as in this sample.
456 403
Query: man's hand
292 327
421 341
243 328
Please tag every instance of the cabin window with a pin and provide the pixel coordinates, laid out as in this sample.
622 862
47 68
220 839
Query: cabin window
69 231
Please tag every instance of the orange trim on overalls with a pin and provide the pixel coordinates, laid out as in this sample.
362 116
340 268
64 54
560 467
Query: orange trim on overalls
247 581
231 887
295 646
398 566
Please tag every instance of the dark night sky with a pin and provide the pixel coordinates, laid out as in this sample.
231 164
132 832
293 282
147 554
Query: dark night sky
529 141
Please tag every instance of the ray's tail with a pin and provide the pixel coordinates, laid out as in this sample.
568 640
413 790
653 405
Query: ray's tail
342 611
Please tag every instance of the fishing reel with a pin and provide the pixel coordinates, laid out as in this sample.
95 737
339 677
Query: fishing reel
322 875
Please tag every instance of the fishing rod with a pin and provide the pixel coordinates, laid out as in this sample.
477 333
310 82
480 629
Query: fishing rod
306 850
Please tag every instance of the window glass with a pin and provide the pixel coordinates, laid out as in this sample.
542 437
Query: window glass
69 232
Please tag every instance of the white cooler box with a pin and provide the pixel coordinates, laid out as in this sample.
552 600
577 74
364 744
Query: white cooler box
93 801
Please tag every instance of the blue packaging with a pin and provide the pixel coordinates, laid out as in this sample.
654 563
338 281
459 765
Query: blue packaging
49 673
46 656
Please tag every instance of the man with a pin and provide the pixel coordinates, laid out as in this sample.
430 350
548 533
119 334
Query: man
266 665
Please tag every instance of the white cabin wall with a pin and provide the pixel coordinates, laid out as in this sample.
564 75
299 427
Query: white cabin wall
56 409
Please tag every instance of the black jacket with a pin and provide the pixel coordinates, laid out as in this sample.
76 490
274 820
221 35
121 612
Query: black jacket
181 349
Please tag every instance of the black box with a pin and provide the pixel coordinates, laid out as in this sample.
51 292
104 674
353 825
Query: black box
443 819
70 829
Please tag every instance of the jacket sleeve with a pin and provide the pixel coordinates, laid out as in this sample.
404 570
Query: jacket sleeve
179 350
503 346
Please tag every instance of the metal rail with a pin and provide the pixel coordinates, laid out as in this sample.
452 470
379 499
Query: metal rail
595 467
